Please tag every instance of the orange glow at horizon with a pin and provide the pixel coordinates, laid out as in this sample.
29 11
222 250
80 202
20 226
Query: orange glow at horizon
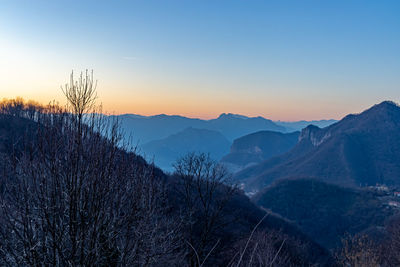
201 108
177 106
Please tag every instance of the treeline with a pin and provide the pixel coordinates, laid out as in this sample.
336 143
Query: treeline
21 108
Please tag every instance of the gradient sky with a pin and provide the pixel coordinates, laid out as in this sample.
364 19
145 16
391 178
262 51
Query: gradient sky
285 60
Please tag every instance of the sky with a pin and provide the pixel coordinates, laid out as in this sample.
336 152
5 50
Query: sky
283 60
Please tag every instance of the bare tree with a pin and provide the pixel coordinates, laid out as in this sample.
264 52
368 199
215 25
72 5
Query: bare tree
391 245
205 189
19 108
75 197
81 94
261 249
359 250
13 107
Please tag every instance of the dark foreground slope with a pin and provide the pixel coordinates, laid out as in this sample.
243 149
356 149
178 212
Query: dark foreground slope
257 147
359 150
324 211
13 132
245 215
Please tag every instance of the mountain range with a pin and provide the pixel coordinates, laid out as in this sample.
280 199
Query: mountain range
155 135
360 150
317 185
149 128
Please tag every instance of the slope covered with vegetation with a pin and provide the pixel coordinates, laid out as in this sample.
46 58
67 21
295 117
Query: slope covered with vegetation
325 212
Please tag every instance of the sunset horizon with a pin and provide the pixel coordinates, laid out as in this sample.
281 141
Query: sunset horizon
200 133
303 61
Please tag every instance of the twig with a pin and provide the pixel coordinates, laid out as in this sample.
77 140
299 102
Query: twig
248 240
210 252
197 255
279 250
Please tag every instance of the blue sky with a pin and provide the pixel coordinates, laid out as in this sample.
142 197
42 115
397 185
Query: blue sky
285 60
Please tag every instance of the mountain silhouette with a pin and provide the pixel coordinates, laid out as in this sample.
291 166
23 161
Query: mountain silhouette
360 150
145 129
292 126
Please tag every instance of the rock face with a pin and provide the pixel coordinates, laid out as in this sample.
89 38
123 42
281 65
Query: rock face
254 148
313 134
359 150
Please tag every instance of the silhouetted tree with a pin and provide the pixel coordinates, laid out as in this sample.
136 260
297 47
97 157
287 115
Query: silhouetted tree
75 197
261 249
359 251
205 189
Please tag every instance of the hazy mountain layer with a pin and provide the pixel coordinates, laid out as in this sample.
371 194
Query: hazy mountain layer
166 151
300 125
145 129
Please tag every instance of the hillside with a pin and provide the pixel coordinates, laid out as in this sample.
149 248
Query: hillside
359 150
257 147
166 151
324 211
13 131
244 215
241 214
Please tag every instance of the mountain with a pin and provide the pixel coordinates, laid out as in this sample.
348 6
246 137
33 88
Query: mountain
257 147
234 126
165 138
325 212
299 125
242 214
145 129
165 151
359 150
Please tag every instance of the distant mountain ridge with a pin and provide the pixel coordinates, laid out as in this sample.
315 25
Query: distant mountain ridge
150 128
161 129
292 126
359 150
